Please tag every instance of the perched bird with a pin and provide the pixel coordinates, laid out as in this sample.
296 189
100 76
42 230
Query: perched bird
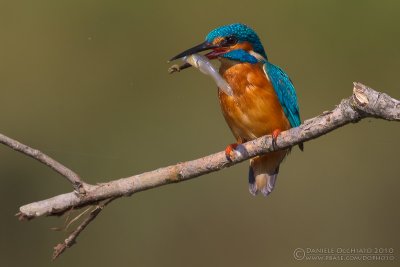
264 100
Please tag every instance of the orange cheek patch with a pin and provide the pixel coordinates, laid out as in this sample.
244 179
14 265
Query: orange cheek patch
243 45
217 40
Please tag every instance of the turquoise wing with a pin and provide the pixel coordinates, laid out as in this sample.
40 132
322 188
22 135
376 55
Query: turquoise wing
285 91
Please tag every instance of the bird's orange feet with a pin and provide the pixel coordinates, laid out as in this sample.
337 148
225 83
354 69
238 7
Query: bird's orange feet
230 151
275 135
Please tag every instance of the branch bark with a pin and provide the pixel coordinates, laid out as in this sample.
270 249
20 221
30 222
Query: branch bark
70 175
364 102
71 239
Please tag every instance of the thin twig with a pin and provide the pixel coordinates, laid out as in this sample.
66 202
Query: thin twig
45 159
71 239
76 218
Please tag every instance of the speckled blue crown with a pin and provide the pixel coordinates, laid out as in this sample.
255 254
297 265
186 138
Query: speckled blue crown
243 32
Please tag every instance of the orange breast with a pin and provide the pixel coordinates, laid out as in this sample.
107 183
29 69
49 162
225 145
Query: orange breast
254 109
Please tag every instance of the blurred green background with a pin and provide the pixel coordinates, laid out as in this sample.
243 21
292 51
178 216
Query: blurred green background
87 83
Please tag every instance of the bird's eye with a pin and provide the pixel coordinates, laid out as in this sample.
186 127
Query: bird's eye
230 40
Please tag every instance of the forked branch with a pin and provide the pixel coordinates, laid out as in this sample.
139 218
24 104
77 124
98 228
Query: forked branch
364 102
70 175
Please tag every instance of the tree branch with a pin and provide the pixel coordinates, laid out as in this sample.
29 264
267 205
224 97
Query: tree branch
71 239
365 102
71 176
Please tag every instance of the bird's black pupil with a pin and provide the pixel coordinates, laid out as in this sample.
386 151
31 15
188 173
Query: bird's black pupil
230 40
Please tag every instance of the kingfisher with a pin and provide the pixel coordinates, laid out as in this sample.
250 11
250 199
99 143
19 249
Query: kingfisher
264 100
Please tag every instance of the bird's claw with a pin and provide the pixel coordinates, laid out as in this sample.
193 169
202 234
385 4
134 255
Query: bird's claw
230 151
275 135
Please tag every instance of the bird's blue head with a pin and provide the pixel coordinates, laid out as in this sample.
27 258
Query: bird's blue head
234 41
237 36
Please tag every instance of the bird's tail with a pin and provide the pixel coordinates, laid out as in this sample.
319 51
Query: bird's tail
263 172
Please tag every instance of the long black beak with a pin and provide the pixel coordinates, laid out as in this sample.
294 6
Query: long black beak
198 48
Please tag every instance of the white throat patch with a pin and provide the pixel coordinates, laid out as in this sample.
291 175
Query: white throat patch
257 56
